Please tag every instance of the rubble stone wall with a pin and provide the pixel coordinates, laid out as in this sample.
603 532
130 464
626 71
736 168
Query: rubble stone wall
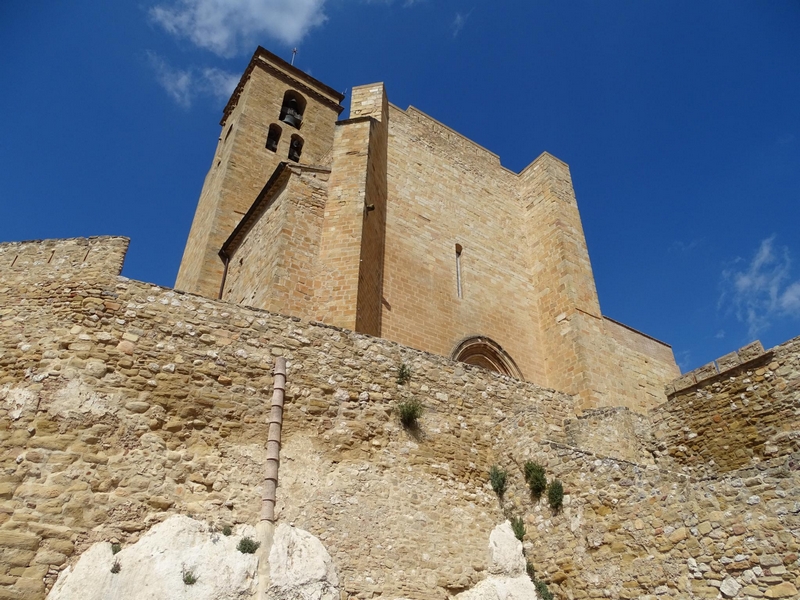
122 403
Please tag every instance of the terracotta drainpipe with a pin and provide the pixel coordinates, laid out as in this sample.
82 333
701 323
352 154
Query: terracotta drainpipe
265 528
274 441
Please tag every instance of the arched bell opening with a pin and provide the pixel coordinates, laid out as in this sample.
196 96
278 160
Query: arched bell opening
295 148
273 137
294 105
485 352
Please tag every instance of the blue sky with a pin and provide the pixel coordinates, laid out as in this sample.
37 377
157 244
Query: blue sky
680 121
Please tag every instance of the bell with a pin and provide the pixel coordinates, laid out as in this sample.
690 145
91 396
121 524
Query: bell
295 148
291 116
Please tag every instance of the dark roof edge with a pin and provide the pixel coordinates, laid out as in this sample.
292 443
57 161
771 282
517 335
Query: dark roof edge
226 251
262 52
649 337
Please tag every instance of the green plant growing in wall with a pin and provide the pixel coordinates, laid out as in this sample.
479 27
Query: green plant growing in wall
498 477
535 476
403 374
115 547
530 571
227 530
116 567
518 527
248 545
543 591
409 412
555 495
189 578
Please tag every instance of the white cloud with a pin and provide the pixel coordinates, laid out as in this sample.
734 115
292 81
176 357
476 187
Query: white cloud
459 21
183 85
761 291
227 27
176 82
220 83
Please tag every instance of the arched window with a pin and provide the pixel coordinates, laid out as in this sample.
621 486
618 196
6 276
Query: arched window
295 148
484 352
273 137
294 105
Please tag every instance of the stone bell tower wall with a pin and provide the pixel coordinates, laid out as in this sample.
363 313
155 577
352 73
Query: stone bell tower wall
242 164
273 253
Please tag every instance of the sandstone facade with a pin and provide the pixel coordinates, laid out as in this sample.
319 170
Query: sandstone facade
122 403
392 224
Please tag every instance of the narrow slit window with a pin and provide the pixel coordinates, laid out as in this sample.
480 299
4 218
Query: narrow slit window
459 289
273 137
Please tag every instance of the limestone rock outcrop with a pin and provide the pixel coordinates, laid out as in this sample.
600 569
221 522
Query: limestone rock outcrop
507 578
153 568
300 567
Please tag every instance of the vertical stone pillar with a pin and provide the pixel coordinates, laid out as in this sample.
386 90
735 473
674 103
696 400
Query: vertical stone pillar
570 321
349 285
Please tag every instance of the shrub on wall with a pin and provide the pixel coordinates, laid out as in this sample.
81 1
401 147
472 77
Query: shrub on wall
555 495
497 477
409 412
535 476
403 374
248 545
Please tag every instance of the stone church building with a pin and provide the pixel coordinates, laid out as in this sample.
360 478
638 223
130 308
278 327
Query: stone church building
391 224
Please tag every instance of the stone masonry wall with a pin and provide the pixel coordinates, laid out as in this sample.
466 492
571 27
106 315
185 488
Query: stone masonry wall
273 266
737 418
242 164
122 402
444 190
86 258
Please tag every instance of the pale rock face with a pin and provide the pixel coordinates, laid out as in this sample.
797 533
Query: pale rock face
300 567
505 552
152 568
507 578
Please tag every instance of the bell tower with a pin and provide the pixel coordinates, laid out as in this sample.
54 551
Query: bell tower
276 114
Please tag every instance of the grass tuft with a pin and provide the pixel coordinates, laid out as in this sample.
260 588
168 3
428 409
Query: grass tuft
518 527
248 545
189 578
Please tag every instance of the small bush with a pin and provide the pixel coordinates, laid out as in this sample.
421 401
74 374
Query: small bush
543 591
227 530
116 567
410 411
497 477
530 571
534 475
403 374
115 547
189 578
555 495
518 527
248 545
